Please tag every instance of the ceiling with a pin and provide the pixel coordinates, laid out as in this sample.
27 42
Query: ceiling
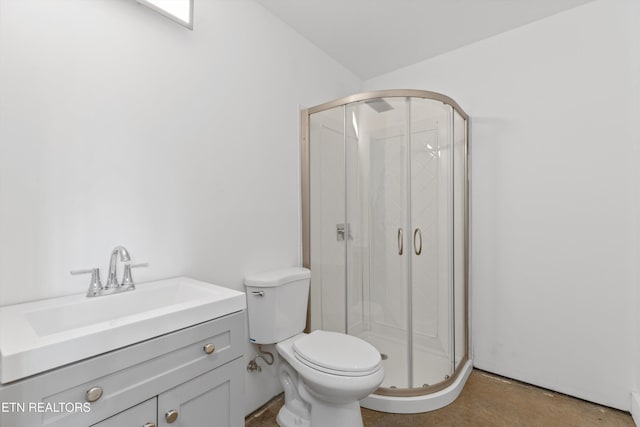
373 37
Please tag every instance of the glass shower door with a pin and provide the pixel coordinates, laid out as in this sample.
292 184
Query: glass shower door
431 242
398 210
378 252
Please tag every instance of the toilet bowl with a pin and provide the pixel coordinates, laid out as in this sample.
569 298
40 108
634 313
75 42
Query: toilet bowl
334 371
324 374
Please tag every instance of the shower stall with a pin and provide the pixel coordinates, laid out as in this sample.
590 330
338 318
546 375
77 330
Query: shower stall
385 234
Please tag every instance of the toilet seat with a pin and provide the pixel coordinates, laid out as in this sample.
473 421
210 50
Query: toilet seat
337 354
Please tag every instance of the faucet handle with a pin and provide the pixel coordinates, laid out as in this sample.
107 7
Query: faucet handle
127 279
96 285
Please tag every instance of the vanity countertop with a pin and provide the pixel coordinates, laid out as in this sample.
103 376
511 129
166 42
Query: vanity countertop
46 334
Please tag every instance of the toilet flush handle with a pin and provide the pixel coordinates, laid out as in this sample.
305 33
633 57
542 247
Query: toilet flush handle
258 293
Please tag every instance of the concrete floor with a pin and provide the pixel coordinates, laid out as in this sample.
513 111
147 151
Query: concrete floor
487 400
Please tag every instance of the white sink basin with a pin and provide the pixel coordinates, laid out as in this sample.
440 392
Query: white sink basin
46 334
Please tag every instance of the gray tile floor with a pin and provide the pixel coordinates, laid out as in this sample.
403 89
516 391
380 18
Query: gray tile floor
487 400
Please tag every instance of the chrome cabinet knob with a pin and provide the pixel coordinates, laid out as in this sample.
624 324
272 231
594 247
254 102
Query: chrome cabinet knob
209 348
171 416
93 394
149 425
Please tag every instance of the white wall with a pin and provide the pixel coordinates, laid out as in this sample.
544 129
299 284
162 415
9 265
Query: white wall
553 182
635 399
118 126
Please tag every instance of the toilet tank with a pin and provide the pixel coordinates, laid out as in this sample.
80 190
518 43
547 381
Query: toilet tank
277 304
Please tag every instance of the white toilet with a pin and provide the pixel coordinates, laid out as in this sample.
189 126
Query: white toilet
324 374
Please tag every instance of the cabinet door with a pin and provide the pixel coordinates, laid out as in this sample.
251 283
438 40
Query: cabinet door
140 415
212 399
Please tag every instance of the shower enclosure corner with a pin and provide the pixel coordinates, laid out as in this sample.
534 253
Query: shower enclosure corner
385 234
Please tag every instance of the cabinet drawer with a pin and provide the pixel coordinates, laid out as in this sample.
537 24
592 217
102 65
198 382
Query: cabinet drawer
129 375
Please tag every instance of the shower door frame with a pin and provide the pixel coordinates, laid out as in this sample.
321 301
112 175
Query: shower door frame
306 212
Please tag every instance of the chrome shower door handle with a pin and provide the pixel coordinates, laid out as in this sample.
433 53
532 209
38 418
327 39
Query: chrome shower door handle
417 235
400 241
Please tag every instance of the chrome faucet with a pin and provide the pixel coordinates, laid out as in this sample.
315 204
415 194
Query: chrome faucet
112 279
113 286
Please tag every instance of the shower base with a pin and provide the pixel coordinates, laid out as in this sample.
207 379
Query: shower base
428 372
431 369
424 403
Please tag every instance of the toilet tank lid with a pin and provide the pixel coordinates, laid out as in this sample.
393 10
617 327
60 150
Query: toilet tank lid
277 277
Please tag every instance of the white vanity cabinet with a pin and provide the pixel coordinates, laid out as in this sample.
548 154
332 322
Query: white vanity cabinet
190 377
